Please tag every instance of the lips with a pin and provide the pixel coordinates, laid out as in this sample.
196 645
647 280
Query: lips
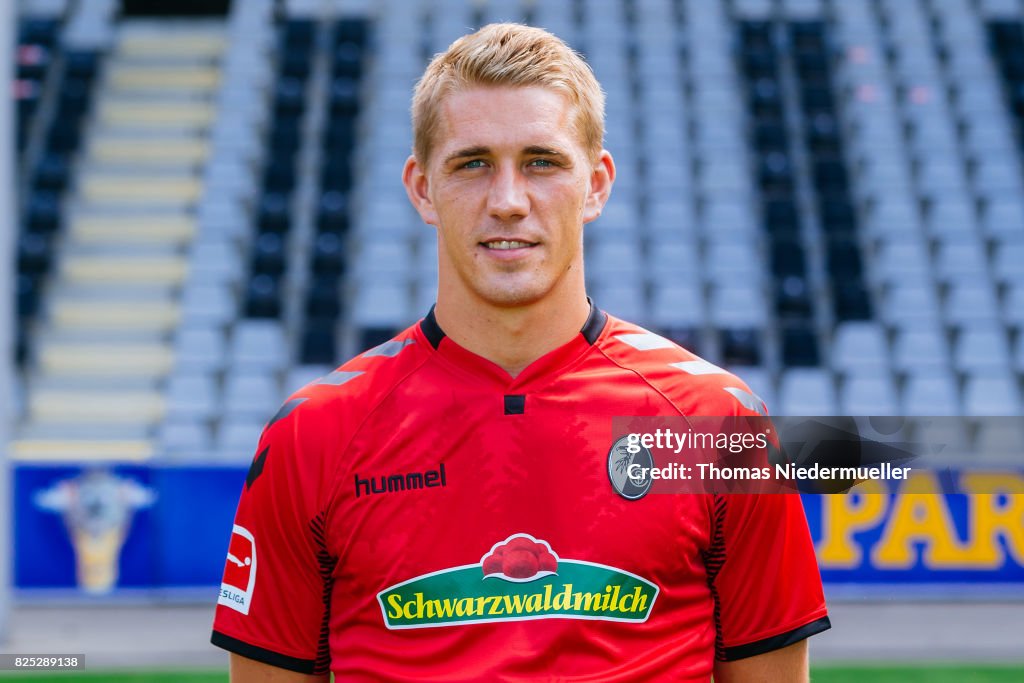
507 245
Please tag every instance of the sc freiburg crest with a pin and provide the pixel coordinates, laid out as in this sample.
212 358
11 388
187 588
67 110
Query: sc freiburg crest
619 460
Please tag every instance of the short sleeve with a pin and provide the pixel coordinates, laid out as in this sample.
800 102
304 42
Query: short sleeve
274 598
763 574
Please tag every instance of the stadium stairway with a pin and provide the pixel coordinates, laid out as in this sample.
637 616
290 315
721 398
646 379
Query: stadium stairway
103 346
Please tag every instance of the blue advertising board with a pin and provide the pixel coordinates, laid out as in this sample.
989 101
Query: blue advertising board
97 530
907 533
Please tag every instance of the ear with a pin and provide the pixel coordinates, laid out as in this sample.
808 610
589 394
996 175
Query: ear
602 176
414 177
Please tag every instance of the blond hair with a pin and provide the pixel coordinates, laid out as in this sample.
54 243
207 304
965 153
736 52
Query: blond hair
508 55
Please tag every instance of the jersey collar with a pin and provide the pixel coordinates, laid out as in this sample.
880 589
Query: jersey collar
548 364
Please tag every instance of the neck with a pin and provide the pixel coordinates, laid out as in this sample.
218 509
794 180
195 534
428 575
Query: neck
512 337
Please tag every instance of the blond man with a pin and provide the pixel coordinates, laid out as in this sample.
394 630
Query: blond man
445 507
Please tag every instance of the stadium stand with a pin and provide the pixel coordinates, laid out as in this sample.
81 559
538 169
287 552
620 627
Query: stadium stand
823 195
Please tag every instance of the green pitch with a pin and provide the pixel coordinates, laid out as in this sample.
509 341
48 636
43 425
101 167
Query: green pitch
819 674
917 674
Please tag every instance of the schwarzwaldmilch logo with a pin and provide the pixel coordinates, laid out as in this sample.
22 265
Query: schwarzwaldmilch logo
517 579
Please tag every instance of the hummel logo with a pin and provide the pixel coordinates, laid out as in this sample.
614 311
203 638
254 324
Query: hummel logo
401 482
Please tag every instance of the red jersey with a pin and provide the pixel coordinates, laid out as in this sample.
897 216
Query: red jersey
419 514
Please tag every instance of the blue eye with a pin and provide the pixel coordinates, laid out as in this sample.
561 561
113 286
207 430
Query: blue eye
475 163
542 162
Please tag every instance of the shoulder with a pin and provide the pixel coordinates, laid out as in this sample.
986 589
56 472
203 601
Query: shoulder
341 399
693 385
302 445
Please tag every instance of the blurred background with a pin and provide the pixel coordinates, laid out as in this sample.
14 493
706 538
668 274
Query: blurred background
824 196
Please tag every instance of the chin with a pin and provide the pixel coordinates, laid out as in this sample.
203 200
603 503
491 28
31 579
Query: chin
509 295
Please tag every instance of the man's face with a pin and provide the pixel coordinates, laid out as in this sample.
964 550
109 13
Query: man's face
509 187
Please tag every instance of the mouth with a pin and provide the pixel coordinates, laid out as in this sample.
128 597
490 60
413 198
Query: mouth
507 245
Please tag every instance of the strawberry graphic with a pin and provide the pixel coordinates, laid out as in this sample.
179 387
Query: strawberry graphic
520 557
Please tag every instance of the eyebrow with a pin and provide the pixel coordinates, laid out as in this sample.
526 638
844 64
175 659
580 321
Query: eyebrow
543 151
480 150
467 152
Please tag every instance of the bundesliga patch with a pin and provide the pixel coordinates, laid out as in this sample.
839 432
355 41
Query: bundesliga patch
239 572
517 579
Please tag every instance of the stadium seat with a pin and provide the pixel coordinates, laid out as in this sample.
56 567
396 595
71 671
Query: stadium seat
788 258
800 347
991 395
333 213
910 305
741 347
192 396
868 395
728 262
806 391
319 342
793 298
28 293
674 306
328 255
960 261
209 303
859 346
1008 263
43 213
34 254
250 396
971 303
950 216
921 348
268 254
843 260
263 297
838 215
258 344
737 305
185 440
932 392
982 348
200 349
623 300
275 212
214 260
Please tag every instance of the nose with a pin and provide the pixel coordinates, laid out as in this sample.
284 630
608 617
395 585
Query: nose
508 198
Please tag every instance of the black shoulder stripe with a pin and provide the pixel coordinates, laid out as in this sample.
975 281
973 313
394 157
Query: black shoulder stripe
256 468
239 647
777 642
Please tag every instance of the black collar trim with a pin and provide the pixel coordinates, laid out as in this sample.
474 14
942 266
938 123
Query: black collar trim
595 323
431 330
591 329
